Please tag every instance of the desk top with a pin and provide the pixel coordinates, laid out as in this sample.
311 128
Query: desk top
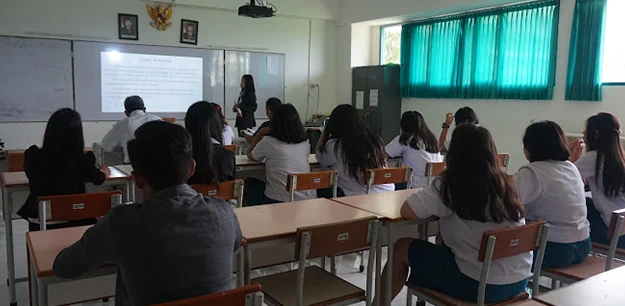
127 169
242 160
44 246
19 179
385 205
267 222
605 289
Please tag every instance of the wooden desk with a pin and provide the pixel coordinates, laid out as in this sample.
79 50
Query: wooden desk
605 289
277 223
243 162
43 247
13 182
387 207
15 159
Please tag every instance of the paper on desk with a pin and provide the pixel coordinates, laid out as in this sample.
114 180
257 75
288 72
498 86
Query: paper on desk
360 100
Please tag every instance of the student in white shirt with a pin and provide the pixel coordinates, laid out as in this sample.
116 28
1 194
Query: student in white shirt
124 130
603 167
348 146
465 115
416 145
472 195
285 149
227 132
552 190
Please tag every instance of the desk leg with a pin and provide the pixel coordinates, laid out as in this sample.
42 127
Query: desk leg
42 292
132 188
240 267
389 264
8 223
378 269
34 285
248 264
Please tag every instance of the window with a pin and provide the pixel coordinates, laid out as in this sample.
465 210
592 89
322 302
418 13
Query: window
390 44
613 67
501 53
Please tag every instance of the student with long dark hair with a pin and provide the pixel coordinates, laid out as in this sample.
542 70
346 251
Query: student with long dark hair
348 146
551 188
472 195
60 166
285 149
227 133
464 115
246 104
214 162
417 146
270 105
603 167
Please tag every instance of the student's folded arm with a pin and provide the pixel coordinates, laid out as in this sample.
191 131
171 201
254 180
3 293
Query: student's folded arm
258 151
94 249
424 204
394 148
326 158
93 174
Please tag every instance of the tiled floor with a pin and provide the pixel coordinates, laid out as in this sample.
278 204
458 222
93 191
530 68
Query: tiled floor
345 269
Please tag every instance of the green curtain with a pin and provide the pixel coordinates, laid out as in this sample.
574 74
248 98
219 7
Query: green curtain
502 53
583 81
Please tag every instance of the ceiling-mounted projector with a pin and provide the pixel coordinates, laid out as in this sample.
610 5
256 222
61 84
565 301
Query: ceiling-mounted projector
259 10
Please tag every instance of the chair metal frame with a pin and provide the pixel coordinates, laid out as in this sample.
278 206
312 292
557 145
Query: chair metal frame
291 185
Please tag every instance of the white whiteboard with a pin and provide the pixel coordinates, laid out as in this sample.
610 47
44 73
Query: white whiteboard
88 78
36 78
268 72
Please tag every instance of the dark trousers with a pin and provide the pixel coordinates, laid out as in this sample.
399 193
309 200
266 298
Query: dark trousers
254 193
598 228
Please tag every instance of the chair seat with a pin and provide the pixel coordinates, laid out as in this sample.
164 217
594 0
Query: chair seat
320 288
604 249
447 300
590 267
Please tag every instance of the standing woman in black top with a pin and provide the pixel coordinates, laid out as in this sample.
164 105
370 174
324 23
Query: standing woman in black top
246 105
59 167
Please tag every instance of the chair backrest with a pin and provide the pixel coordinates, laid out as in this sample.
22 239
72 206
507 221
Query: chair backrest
312 181
388 176
76 206
245 296
15 160
234 149
229 190
321 241
508 242
504 159
169 119
433 170
616 229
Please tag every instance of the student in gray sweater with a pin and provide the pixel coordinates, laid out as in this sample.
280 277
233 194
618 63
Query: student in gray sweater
177 244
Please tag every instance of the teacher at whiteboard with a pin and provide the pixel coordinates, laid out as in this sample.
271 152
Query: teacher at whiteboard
246 105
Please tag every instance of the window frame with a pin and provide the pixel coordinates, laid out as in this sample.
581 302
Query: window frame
380 52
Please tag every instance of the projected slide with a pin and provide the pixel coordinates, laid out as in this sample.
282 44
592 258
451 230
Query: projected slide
167 84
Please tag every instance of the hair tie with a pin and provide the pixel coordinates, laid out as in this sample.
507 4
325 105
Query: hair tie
618 132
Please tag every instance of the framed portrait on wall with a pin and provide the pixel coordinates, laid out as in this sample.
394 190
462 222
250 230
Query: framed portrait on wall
128 26
188 32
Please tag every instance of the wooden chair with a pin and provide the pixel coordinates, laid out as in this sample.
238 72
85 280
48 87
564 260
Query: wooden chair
495 245
246 296
312 181
236 149
76 206
169 119
433 170
593 265
314 285
15 160
388 176
230 190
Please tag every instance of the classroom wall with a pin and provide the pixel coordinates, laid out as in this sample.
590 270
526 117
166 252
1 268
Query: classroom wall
507 119
309 44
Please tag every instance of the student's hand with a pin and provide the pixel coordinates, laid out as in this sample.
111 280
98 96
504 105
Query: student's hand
247 137
577 149
449 118
106 171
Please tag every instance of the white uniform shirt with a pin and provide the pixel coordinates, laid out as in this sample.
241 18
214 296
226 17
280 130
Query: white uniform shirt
124 130
554 191
604 204
228 135
415 159
349 185
281 159
463 237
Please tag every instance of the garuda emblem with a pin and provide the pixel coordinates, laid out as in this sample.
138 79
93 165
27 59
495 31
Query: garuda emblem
160 16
